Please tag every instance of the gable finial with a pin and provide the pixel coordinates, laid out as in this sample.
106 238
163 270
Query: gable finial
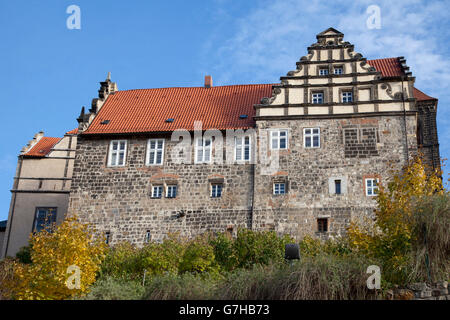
108 78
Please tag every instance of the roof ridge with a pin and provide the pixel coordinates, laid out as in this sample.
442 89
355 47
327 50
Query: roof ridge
202 87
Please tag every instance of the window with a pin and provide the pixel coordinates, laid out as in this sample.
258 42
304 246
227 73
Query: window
44 219
338 70
107 237
278 139
322 224
117 153
323 71
371 187
347 96
242 148
311 137
203 150
148 236
155 151
157 191
216 190
171 191
337 186
317 98
279 188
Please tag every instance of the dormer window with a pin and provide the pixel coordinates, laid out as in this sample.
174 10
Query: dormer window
317 98
323 71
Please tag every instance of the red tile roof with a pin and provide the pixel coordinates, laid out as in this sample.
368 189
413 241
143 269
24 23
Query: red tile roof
42 147
74 131
389 67
146 110
420 96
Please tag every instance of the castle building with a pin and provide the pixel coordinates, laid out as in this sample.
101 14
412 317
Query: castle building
304 156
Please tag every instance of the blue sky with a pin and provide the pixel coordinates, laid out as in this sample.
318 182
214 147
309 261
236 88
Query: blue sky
48 72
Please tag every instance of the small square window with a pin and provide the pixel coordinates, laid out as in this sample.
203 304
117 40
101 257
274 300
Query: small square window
107 237
338 70
323 71
347 96
279 139
322 224
317 98
216 190
157 191
311 137
171 191
371 187
279 188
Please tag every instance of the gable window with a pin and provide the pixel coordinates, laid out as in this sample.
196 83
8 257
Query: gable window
371 187
311 137
338 70
323 71
278 139
242 148
203 150
155 151
117 153
279 188
157 191
216 190
347 96
171 191
44 219
317 98
322 224
337 186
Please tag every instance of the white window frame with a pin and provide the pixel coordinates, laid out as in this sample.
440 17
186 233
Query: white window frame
203 148
171 186
345 95
316 98
276 134
372 187
275 188
153 191
110 155
338 68
155 150
239 149
311 136
215 193
323 71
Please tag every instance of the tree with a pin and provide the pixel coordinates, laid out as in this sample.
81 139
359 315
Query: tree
53 251
390 237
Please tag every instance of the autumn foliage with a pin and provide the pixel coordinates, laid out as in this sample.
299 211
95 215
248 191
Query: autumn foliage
391 235
52 251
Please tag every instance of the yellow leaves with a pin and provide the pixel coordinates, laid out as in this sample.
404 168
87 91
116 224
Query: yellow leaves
70 243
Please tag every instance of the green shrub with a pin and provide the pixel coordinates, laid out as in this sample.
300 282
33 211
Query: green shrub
159 258
115 289
198 257
312 246
223 245
122 262
24 255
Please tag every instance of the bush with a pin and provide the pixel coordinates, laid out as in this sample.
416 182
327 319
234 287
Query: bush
122 262
312 246
24 255
322 277
7 280
52 252
115 289
181 287
198 257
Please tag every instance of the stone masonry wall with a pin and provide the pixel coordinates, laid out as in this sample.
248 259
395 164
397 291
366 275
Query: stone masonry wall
117 200
366 152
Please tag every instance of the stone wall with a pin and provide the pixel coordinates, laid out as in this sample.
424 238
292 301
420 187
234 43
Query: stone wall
308 172
118 200
421 291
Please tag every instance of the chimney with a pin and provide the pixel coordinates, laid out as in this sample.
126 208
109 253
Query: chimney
208 82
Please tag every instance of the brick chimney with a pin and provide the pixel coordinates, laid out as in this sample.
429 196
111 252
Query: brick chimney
208 82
